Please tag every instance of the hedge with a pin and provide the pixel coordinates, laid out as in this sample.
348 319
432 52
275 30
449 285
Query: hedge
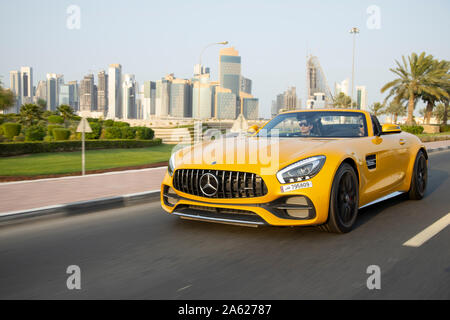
412 129
10 129
61 134
55 119
50 128
18 148
34 133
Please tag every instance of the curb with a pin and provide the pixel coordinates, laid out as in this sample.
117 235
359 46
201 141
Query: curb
438 149
83 206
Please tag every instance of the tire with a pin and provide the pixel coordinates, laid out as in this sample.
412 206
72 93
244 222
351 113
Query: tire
344 201
419 177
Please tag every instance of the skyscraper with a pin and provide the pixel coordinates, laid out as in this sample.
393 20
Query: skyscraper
76 96
206 89
163 96
316 81
180 98
16 87
52 91
342 86
246 85
41 91
26 74
129 97
102 92
149 100
115 91
87 94
67 95
361 98
230 70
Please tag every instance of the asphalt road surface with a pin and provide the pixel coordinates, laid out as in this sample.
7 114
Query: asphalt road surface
140 252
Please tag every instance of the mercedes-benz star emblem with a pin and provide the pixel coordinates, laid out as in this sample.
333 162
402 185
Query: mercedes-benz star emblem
209 184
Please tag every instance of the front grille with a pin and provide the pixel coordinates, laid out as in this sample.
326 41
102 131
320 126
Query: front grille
231 184
219 214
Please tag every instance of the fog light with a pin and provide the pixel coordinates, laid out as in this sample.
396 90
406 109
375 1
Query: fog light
298 212
170 197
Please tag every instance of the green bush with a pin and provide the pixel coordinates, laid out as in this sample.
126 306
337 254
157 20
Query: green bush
1 131
55 119
96 130
61 134
49 138
108 123
19 138
412 129
50 128
112 133
34 133
127 133
10 129
443 128
121 124
18 148
144 133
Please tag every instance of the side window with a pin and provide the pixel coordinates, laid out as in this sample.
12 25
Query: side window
376 126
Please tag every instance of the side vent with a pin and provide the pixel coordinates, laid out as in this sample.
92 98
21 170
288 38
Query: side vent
371 161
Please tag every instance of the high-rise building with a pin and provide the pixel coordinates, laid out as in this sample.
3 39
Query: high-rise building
129 97
230 70
16 88
67 95
162 100
52 91
180 98
287 100
102 92
41 91
250 108
246 85
115 91
149 100
361 97
203 97
76 97
87 94
26 74
200 69
316 81
342 86
226 104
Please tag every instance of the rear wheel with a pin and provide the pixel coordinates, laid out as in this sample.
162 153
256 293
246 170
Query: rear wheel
419 177
344 201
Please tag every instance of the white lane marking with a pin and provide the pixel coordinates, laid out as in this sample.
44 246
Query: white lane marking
429 232
181 289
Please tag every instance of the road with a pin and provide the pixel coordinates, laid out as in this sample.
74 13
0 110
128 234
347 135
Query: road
140 252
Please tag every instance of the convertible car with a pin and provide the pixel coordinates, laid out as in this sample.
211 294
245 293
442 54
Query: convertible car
302 168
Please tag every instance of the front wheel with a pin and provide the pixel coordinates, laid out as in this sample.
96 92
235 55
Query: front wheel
419 177
344 201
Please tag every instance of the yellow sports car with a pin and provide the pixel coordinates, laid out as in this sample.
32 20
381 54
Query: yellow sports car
302 168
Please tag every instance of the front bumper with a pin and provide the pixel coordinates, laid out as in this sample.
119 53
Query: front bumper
301 207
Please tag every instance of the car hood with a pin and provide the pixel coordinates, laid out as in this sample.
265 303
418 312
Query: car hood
249 153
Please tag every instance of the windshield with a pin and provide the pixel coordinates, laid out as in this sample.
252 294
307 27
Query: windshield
322 124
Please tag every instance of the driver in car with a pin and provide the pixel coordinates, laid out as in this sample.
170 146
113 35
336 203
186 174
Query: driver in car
306 127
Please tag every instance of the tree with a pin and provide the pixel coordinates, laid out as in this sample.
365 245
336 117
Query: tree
395 109
42 103
441 112
7 98
30 114
342 101
417 76
377 108
65 111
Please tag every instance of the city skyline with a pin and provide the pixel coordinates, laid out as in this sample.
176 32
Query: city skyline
272 60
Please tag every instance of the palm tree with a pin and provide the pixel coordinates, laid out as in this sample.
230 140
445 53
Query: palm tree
430 99
30 114
441 112
395 109
376 108
65 111
42 103
417 76
342 101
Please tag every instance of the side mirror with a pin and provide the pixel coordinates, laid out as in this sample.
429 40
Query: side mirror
390 128
253 129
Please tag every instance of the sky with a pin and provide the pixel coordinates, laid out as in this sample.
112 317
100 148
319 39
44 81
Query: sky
153 38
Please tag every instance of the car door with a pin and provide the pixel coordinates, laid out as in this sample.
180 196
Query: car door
384 165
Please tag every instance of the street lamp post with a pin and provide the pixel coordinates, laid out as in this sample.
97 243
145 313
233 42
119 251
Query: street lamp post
200 72
353 31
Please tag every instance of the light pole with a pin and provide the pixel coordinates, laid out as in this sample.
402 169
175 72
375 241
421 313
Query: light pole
200 72
353 31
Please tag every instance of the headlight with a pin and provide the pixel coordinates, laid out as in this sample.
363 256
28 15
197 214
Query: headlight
171 166
301 170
